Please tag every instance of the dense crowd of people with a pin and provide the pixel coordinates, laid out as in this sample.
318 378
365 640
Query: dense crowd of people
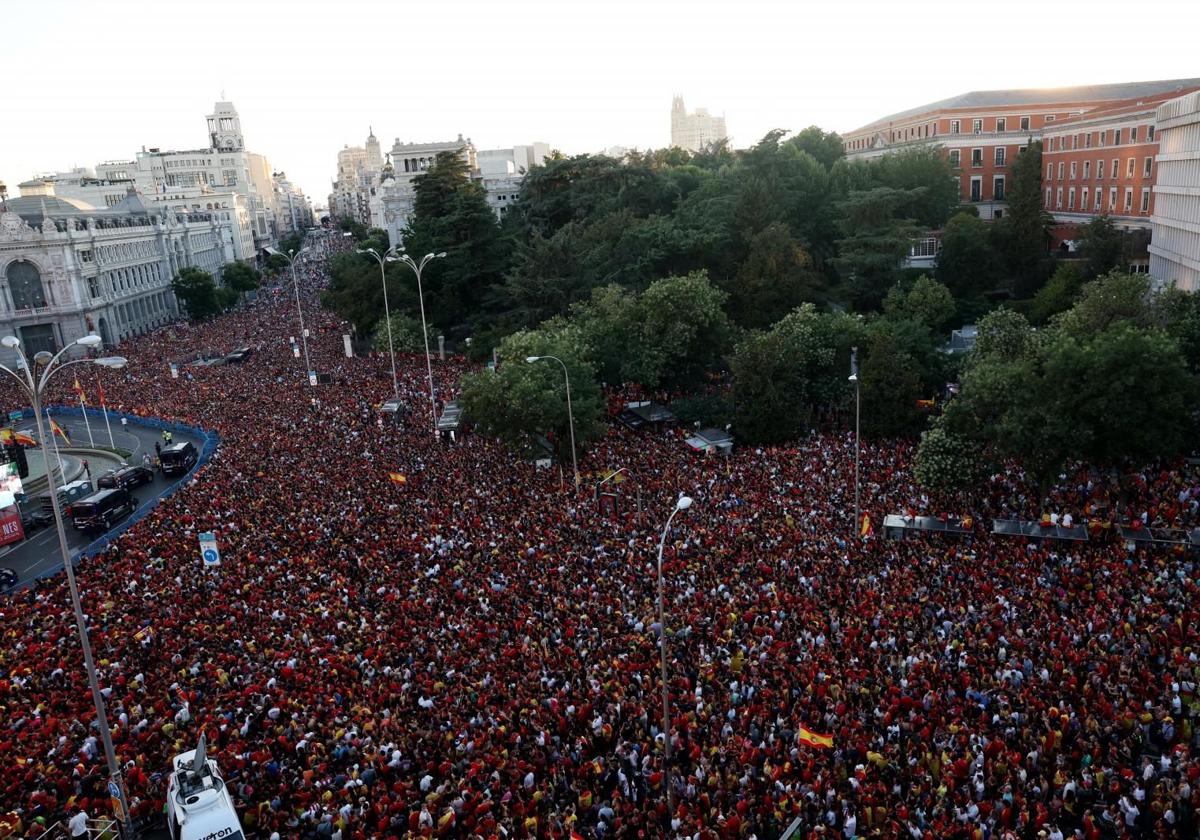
472 652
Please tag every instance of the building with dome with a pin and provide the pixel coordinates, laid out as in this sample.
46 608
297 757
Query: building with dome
68 269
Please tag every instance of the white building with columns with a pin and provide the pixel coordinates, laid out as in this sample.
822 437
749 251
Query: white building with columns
67 270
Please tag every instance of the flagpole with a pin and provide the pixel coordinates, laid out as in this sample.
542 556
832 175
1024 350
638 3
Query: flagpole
104 408
83 407
54 440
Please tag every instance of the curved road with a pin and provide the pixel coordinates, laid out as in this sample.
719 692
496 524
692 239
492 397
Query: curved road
38 555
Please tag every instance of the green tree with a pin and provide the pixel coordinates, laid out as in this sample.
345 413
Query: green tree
1102 245
775 277
610 329
451 216
240 277
1058 294
967 263
1023 234
875 241
195 290
825 146
922 175
406 334
927 302
783 377
1113 298
890 380
683 329
947 461
520 399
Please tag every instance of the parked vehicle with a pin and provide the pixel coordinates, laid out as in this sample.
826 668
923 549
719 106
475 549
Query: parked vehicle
199 806
8 580
68 494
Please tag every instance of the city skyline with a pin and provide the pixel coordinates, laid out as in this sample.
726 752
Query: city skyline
578 94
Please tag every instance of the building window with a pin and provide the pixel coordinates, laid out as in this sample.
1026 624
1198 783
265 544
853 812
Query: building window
1001 124
87 256
954 126
977 126
1145 199
1099 170
1060 170
1047 198
924 247
1087 169
1049 118
1112 199
1129 164
976 188
1083 199
1149 134
955 158
1148 164
1099 200
1116 168
25 285
1073 172
1071 199
93 287
1087 140
1103 137
1024 123
1058 199
1133 133
976 158
1000 155
1116 137
998 188
1128 199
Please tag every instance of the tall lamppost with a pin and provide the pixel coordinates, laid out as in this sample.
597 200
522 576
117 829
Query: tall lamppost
570 413
857 404
386 257
33 385
683 503
417 267
291 257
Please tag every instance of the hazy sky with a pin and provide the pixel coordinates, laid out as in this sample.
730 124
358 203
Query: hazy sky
90 81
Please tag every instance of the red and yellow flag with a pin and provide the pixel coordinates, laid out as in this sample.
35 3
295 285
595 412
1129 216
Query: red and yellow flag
815 739
56 429
398 478
79 390
100 389
866 529
926 404
9 436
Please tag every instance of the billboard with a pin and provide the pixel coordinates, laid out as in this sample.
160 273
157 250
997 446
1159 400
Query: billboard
10 484
10 525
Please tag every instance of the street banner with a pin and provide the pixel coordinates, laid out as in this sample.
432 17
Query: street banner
209 553
10 525
348 347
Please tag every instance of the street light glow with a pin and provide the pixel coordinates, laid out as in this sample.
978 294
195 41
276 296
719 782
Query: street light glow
111 362
532 358
89 341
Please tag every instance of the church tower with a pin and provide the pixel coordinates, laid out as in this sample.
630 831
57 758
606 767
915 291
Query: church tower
678 122
374 158
225 129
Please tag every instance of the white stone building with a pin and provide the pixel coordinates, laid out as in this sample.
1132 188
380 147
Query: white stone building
67 270
407 161
697 130
1175 224
79 184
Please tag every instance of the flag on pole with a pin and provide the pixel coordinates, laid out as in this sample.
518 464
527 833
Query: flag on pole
9 436
79 390
866 529
56 429
398 478
100 388
814 739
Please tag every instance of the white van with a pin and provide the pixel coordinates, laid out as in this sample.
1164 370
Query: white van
199 806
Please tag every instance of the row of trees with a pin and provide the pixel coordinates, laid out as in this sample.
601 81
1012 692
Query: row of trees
200 296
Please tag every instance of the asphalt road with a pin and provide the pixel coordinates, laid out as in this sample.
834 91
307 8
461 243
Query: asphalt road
38 553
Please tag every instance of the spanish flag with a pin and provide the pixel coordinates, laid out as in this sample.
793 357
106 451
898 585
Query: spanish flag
814 739
866 529
56 429
398 478
926 404
9 436
79 390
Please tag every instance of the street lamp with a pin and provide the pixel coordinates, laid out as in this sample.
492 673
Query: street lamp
34 387
291 257
570 413
683 503
417 268
857 404
386 257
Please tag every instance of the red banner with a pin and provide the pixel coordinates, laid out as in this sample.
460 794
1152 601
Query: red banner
10 525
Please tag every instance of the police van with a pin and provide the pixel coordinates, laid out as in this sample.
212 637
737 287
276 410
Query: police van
178 458
199 806
100 510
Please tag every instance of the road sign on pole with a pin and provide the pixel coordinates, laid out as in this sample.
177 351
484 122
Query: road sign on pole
209 553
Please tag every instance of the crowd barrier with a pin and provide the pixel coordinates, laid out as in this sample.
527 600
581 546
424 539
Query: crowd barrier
209 441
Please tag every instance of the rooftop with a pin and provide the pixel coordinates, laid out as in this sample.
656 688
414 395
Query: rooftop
1045 96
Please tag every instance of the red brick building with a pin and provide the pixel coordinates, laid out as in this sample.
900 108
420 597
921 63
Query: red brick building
982 132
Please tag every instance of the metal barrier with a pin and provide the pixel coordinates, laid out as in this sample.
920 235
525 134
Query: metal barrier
210 440
100 828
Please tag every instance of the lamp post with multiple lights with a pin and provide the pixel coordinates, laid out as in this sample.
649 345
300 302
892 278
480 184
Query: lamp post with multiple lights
417 268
